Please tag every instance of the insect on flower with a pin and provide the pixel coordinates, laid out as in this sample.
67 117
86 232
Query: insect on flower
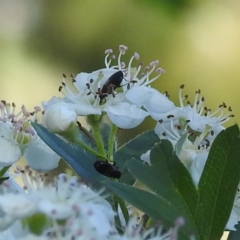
107 169
110 85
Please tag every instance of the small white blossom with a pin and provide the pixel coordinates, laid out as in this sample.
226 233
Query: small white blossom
197 116
18 138
103 91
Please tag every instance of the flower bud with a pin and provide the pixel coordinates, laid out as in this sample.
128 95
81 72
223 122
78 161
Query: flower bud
58 117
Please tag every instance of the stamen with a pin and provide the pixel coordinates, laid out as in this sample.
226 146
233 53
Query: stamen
108 52
123 48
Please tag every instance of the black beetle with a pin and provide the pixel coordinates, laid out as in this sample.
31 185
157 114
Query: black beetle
107 169
111 84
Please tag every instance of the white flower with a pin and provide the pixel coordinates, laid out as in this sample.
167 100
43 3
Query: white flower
133 232
198 116
194 119
104 90
18 138
192 149
72 199
82 209
125 115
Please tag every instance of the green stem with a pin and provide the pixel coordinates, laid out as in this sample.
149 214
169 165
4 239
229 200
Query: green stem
98 139
111 141
89 149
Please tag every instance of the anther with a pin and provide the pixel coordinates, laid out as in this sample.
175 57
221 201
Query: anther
136 55
123 48
108 51
160 70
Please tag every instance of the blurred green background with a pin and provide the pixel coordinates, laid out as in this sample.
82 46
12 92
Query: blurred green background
197 43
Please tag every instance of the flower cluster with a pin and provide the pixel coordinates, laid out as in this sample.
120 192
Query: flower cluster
118 91
67 208
18 138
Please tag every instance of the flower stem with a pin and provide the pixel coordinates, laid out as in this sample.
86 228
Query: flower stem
111 141
89 149
95 124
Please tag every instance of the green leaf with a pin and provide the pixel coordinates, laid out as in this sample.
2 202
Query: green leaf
136 147
157 178
2 179
218 184
80 160
151 204
183 183
179 174
105 132
4 170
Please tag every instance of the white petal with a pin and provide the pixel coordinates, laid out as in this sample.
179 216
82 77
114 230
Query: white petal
198 166
125 115
146 157
139 94
84 109
18 205
9 152
40 157
56 210
159 103
51 102
81 80
233 220
99 217
167 116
